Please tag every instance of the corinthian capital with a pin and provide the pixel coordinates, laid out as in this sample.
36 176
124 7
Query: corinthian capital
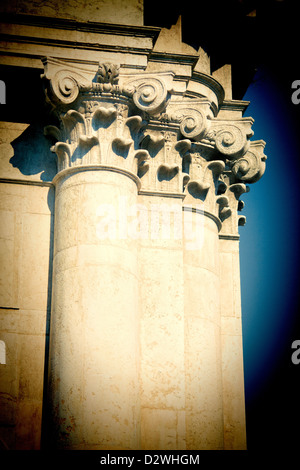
101 114
174 143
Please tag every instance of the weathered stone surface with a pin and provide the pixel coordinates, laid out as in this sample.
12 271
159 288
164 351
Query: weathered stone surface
25 244
114 11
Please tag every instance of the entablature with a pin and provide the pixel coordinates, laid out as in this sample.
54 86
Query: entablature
25 39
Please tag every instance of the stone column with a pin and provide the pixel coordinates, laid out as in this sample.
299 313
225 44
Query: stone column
217 167
94 342
248 169
140 340
204 407
232 345
162 299
94 362
94 394
202 309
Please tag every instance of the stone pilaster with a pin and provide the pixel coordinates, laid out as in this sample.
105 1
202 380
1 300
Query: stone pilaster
139 351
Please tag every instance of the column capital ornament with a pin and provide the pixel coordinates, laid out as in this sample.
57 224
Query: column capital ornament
108 73
175 143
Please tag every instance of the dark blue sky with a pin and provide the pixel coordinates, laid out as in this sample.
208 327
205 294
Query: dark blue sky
269 252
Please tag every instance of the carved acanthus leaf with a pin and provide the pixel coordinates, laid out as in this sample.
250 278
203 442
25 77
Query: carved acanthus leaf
87 142
238 189
206 172
121 146
74 124
102 114
63 152
224 208
53 132
216 166
166 171
135 123
241 220
231 198
143 159
198 186
183 147
153 140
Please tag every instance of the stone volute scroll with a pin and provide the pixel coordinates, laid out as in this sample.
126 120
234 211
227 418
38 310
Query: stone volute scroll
62 81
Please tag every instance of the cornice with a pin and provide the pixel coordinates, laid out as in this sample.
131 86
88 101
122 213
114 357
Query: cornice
229 237
90 26
26 182
174 58
235 105
64 43
211 83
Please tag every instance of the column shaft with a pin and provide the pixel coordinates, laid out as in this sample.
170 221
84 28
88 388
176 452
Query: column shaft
94 353
162 326
203 373
232 346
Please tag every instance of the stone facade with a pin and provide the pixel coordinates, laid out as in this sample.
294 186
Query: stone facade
131 249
